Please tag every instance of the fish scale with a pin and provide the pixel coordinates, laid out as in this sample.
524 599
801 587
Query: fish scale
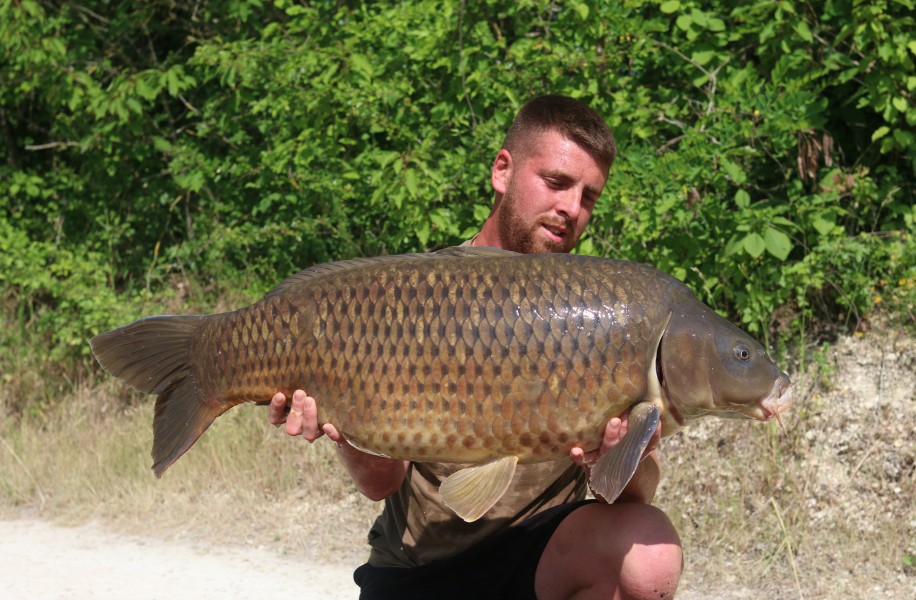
468 355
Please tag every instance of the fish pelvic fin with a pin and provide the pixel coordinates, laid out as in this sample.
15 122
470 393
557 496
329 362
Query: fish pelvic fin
472 491
153 355
613 471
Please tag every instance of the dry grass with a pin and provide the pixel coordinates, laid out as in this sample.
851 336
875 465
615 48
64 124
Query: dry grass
88 458
826 511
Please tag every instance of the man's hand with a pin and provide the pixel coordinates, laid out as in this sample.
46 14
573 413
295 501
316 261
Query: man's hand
301 418
376 477
642 486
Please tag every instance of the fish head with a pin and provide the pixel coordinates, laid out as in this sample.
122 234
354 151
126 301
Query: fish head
707 365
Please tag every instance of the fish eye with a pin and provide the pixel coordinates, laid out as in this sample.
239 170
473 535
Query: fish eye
742 353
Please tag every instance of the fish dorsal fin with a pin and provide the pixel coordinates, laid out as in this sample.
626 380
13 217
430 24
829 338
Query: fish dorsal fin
475 251
337 267
355 263
472 491
615 468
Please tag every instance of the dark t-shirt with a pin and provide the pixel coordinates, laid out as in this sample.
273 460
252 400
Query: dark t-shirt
416 528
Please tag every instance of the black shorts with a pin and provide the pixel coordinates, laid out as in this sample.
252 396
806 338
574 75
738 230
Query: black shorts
500 568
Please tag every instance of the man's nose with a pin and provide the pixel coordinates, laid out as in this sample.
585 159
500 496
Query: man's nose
570 203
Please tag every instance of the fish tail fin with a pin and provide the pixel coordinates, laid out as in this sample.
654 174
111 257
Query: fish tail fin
180 418
153 356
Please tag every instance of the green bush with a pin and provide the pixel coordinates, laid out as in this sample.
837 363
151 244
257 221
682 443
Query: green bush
767 154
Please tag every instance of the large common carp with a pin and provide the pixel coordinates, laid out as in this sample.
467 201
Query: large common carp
467 355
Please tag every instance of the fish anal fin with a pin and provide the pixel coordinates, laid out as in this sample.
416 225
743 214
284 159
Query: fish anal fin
472 491
359 446
613 471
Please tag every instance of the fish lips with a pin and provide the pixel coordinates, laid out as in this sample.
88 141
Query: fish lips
778 401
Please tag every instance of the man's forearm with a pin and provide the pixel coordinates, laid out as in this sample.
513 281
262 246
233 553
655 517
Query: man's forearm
376 477
644 482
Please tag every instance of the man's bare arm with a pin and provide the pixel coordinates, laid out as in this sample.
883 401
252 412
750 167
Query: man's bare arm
376 477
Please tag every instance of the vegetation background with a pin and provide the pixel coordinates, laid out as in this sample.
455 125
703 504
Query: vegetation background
166 156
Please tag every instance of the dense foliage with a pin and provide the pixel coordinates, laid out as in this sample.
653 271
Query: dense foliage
768 153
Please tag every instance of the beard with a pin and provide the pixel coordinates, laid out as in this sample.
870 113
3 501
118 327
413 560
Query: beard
526 237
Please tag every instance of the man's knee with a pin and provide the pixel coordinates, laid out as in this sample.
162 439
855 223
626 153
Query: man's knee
653 560
629 550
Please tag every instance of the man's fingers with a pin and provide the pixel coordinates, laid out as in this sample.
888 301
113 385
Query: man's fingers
276 412
332 433
310 429
613 433
294 421
577 455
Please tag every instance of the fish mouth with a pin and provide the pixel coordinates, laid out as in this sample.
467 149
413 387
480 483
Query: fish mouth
778 401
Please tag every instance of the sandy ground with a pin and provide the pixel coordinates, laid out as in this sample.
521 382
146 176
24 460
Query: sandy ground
41 561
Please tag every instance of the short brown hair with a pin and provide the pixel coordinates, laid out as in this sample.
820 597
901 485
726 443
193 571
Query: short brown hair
574 119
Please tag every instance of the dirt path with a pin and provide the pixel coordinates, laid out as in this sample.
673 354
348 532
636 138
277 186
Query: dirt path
43 561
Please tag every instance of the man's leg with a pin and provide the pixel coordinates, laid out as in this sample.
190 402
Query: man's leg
618 551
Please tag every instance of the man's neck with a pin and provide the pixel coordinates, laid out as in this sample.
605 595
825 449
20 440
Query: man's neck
488 235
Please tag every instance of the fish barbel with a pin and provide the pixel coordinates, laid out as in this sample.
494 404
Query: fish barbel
467 355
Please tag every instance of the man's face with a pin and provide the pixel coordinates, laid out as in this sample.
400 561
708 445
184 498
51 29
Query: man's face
549 193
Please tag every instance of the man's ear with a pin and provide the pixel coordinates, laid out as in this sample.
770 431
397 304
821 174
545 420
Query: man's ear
501 172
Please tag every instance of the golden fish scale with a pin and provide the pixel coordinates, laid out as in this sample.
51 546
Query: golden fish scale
449 360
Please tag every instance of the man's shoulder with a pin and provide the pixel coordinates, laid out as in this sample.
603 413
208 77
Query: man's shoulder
470 242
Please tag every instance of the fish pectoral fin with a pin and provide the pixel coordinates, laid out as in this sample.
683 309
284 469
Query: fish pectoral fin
472 491
614 469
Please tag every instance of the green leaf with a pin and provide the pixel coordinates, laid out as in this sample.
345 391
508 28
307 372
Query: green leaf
670 6
161 144
582 9
900 104
171 82
410 180
735 172
824 222
362 65
32 8
715 24
423 231
703 56
754 244
684 22
803 31
778 244
904 138
742 199
880 133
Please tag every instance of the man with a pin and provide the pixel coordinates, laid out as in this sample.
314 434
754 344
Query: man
541 539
